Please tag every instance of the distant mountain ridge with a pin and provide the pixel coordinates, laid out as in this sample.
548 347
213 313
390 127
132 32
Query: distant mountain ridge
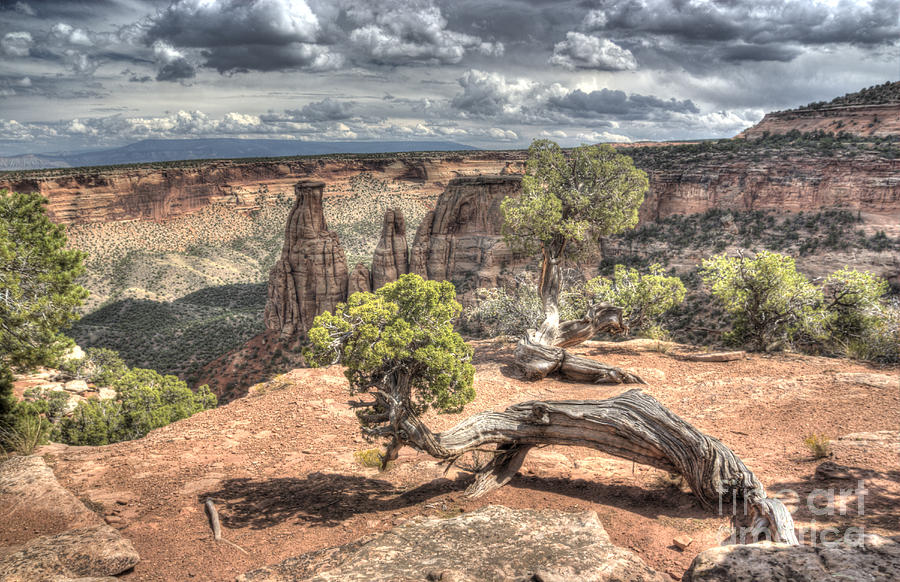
168 150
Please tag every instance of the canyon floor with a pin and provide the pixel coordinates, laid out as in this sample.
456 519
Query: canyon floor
280 463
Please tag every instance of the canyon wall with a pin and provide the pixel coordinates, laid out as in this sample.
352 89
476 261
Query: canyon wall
459 241
784 183
164 191
311 276
788 181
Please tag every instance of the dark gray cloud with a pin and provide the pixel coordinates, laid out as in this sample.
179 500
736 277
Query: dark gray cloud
484 71
327 109
239 35
606 102
754 21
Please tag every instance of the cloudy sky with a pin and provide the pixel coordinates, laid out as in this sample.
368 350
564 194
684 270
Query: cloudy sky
490 73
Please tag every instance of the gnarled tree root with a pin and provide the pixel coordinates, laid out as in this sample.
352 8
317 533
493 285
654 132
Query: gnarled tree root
633 426
537 361
542 352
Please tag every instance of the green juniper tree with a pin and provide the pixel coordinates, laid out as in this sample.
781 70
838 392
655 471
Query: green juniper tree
38 294
399 348
567 202
770 302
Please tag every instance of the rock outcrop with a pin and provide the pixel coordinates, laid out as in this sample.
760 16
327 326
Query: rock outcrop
72 556
460 241
391 258
864 120
876 559
360 280
491 544
311 276
64 540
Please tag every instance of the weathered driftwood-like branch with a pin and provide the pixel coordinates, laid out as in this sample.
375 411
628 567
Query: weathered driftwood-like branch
633 426
541 353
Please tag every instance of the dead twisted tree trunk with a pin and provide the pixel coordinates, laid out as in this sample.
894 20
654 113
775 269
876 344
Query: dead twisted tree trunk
633 426
542 352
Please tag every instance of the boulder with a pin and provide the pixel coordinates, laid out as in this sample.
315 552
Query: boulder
391 257
311 277
461 240
29 492
360 280
876 559
491 544
76 386
87 552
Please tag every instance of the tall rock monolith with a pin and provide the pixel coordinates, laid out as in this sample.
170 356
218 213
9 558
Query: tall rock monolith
391 258
311 276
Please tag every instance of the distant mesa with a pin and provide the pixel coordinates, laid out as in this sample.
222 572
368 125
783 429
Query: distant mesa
168 150
871 112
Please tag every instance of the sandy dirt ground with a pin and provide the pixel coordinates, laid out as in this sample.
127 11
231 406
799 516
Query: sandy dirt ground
281 469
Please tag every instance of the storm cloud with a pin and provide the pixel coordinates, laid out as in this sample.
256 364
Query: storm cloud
493 72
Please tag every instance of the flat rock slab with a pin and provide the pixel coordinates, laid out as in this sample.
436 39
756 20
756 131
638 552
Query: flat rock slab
91 552
30 493
492 544
716 357
63 540
876 560
867 379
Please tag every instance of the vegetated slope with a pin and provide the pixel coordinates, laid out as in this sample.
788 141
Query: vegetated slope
822 242
888 92
281 469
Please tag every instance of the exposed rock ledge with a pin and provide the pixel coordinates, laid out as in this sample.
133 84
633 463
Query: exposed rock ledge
75 544
492 544
877 559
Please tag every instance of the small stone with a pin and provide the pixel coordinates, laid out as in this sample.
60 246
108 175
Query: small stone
76 386
113 519
682 542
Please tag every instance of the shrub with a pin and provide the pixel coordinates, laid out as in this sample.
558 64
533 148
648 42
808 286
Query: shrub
100 366
643 298
818 445
145 400
770 303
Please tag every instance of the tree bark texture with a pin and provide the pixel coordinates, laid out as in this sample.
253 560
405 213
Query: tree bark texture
633 426
542 352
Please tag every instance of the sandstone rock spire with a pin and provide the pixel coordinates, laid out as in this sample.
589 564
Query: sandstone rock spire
311 276
391 258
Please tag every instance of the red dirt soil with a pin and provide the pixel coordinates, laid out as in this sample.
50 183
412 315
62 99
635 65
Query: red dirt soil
280 464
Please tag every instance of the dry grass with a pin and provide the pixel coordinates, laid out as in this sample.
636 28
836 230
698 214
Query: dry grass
818 445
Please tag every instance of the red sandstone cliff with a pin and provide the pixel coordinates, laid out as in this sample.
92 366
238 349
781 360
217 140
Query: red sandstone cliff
460 241
162 191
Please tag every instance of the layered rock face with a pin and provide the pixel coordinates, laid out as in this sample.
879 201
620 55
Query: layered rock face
311 276
784 183
360 280
460 241
391 258
148 192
